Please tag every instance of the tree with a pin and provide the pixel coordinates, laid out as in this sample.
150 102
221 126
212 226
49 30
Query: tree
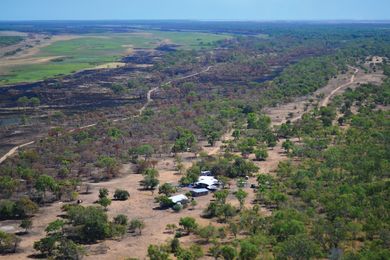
207 233
236 134
189 224
167 189
44 183
103 193
137 225
171 228
227 211
164 201
248 251
35 102
23 101
241 168
288 145
241 195
221 196
56 245
298 247
185 138
234 228
150 181
121 220
121 194
179 164
212 138
158 253
24 207
175 245
67 249
104 202
192 175
8 242
26 224
92 222
228 252
109 163
146 150
261 154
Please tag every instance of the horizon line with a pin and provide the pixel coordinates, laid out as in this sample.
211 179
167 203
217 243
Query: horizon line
202 20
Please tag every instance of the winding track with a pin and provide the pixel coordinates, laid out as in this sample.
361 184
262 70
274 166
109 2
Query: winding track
140 111
324 102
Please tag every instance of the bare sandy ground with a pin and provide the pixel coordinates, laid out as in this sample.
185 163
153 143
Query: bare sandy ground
141 203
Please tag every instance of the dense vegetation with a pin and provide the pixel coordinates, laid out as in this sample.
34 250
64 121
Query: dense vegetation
329 200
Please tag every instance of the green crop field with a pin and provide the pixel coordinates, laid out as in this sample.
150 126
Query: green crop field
93 50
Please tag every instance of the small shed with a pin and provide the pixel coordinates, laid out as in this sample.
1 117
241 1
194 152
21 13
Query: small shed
180 198
199 192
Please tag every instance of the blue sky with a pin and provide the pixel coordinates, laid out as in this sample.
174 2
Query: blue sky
195 9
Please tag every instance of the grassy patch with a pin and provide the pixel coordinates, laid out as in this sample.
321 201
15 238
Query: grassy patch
94 50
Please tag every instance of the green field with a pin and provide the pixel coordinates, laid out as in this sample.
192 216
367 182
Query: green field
93 50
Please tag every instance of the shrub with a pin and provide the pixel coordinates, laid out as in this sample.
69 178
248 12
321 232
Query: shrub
121 220
8 242
121 194
177 207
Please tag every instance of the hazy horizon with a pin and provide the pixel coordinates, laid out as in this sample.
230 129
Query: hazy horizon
200 10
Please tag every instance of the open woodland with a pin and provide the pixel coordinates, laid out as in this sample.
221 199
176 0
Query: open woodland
100 124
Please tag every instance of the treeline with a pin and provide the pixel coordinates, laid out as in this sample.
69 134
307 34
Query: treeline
10 40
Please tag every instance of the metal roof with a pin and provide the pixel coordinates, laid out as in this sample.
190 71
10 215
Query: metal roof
178 198
200 190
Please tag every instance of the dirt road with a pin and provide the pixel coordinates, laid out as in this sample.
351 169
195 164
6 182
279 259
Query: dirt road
141 203
12 151
326 100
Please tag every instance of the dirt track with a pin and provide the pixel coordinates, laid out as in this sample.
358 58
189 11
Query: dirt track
149 99
141 205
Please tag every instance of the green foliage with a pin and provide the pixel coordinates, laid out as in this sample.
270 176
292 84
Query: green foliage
136 225
103 193
189 224
221 196
8 242
241 168
228 252
92 222
19 209
109 163
184 140
261 154
241 196
115 133
150 181
26 224
167 189
248 251
298 247
104 202
121 194
164 201
177 207
121 220
192 175
158 253
146 150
